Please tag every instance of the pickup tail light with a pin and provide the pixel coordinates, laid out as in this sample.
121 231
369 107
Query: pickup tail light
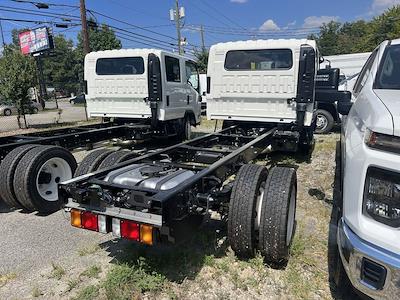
381 141
382 196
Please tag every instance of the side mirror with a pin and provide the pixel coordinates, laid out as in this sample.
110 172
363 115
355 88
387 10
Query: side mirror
204 94
344 107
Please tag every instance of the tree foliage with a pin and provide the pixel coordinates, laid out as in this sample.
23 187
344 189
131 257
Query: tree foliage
359 36
202 60
17 75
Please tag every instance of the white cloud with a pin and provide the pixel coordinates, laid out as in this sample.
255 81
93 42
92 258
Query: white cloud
239 1
269 25
379 6
314 21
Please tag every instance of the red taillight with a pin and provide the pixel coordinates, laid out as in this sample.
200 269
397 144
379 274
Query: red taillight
130 230
89 221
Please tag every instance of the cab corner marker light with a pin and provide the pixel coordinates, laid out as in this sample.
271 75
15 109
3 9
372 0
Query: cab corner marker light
146 234
76 218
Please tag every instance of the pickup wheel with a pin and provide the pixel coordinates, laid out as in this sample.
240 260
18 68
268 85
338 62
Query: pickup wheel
278 215
7 173
38 174
247 191
325 121
116 158
92 161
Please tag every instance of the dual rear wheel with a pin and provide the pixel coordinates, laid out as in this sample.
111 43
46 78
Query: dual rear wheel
262 212
31 174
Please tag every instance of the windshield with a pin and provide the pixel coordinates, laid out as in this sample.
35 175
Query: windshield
388 76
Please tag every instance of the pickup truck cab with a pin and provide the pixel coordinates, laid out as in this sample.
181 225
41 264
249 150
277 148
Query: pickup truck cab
368 220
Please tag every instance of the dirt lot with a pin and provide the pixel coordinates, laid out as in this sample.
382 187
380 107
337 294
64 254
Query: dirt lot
45 258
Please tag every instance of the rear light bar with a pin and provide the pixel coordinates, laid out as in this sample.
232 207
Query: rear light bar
120 228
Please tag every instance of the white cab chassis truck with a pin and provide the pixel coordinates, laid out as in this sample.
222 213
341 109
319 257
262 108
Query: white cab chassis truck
144 84
365 231
266 81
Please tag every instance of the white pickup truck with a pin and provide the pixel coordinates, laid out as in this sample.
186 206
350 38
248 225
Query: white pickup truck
368 210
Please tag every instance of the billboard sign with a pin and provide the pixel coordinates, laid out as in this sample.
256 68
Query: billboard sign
35 40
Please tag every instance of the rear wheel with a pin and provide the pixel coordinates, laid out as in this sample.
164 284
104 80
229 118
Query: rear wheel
38 174
278 213
7 112
35 110
7 173
325 121
247 191
116 158
92 162
186 129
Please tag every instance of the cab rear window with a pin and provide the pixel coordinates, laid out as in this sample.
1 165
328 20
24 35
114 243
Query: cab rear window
259 60
120 66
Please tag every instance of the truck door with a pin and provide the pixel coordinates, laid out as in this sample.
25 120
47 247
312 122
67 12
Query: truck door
193 89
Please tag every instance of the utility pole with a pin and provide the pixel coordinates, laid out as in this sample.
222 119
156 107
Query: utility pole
85 32
203 45
178 26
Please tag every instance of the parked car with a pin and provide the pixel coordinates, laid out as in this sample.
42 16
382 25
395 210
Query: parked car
80 99
9 109
367 213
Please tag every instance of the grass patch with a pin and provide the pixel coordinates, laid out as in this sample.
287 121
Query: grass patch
88 293
123 281
88 250
4 279
72 283
92 272
58 271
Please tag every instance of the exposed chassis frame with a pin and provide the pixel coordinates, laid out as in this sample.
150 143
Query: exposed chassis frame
213 157
74 137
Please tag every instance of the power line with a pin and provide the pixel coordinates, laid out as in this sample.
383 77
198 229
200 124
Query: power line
33 12
48 3
224 16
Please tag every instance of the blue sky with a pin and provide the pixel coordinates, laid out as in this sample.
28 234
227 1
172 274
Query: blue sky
224 20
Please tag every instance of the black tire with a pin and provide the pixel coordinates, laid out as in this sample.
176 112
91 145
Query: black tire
7 112
242 209
92 161
327 124
35 110
7 172
28 173
277 215
186 129
116 158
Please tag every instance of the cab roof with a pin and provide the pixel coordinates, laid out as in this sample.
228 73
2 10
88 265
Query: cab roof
131 52
266 44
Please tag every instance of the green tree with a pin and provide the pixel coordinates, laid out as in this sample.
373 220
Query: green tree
59 67
202 60
17 75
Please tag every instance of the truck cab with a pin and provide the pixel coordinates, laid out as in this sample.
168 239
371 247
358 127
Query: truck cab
143 84
266 81
368 218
